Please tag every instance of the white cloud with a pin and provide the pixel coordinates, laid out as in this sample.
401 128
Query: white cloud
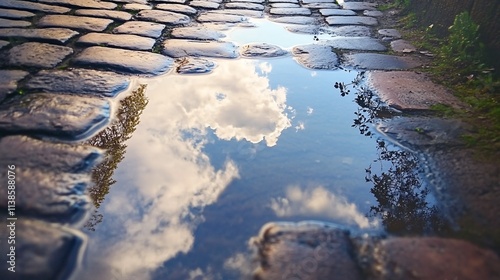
241 264
309 111
165 174
319 201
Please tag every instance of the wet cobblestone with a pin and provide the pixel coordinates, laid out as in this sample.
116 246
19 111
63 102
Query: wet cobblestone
93 48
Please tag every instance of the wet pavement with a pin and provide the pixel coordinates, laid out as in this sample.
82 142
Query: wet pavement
71 97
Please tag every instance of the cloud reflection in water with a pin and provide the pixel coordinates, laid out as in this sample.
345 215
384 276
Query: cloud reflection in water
319 201
166 179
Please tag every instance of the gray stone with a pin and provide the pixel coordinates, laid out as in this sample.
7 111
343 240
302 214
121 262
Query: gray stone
241 12
316 56
284 5
432 258
425 132
321 6
196 33
359 6
218 17
295 20
27 152
184 9
15 14
13 23
375 61
356 43
252 1
373 13
135 62
290 11
317 1
181 48
390 33
194 65
79 81
402 46
336 12
117 15
351 31
60 115
204 4
77 22
242 5
284 1
163 17
141 28
50 195
33 6
3 44
407 90
40 55
351 20
52 251
172 1
136 7
305 29
83 3
8 81
56 35
132 1
304 251
261 50
125 41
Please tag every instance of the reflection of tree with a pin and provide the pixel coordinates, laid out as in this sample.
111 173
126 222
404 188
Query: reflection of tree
112 140
370 107
400 194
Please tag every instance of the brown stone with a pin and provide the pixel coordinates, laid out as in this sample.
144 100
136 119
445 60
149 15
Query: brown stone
408 90
434 258
304 251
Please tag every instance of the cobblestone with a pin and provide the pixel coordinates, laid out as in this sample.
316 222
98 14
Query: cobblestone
40 55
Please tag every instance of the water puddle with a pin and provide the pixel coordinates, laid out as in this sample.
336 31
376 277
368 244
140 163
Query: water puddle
216 156
265 31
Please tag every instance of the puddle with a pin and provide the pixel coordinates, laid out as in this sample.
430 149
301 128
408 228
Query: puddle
273 33
216 156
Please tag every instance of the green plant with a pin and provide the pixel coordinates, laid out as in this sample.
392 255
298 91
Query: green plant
463 44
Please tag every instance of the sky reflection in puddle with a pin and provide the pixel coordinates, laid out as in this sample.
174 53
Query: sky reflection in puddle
273 33
257 141
217 156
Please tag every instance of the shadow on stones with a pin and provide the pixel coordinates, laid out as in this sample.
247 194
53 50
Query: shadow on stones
112 139
402 197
